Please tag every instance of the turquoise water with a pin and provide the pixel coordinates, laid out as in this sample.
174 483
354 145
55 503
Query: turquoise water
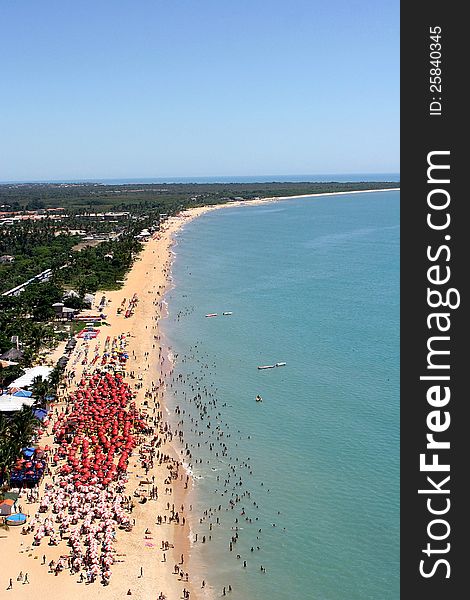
315 283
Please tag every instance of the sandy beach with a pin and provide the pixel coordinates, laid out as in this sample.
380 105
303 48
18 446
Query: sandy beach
145 556
136 551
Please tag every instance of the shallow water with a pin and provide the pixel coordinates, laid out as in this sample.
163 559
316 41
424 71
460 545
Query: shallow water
314 283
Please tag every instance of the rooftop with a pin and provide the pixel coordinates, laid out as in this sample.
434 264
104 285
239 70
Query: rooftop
27 379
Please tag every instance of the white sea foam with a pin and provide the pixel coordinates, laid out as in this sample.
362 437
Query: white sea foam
191 537
188 469
190 472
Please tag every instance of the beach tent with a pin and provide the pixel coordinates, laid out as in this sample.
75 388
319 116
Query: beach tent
23 394
28 452
6 507
40 413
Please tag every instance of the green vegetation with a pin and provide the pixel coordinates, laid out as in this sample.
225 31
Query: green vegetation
9 374
99 267
35 247
16 433
166 197
28 316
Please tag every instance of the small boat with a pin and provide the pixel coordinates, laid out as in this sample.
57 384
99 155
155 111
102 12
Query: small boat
228 313
266 367
258 398
212 315
280 364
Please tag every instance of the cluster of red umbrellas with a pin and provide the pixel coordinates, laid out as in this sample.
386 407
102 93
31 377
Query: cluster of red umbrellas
98 434
27 470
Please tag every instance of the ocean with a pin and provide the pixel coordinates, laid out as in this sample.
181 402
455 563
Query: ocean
305 483
322 178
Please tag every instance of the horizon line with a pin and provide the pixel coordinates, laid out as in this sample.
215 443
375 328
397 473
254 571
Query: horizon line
162 179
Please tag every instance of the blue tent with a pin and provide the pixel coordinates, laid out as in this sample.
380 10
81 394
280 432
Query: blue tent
23 394
28 452
40 413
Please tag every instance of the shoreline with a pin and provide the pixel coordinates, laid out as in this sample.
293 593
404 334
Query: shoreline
282 198
337 193
150 278
192 213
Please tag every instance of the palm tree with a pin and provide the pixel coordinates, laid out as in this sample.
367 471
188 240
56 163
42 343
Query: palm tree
40 335
8 448
40 390
16 432
3 427
8 374
6 461
54 379
28 357
23 427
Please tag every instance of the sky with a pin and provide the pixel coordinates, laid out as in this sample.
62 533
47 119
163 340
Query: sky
175 88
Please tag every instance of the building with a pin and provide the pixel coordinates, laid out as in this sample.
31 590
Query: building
144 235
71 294
7 507
68 313
58 306
10 403
16 291
63 312
13 355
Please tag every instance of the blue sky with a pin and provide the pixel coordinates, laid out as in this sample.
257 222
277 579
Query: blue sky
162 88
